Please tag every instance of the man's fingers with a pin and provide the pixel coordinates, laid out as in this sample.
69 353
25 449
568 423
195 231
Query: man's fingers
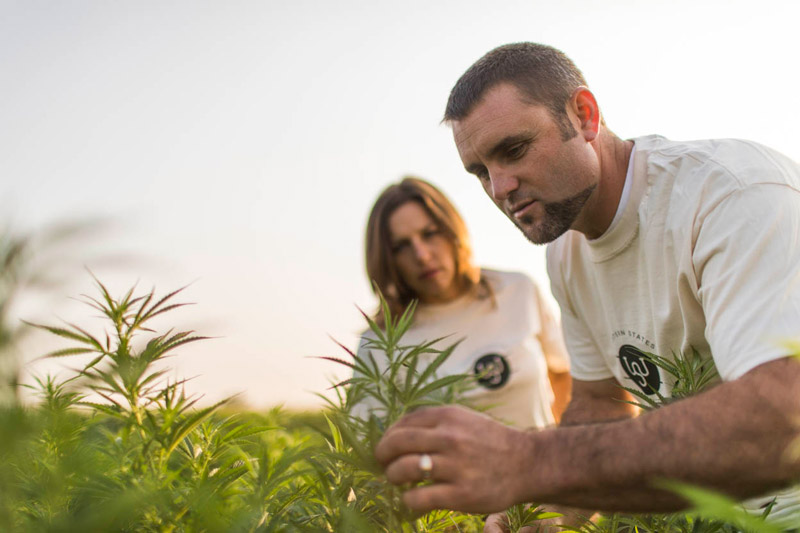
427 498
400 441
423 431
406 469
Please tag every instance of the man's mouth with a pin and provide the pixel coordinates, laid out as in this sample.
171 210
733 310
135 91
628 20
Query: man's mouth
520 210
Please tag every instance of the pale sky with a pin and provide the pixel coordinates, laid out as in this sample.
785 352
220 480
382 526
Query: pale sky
239 145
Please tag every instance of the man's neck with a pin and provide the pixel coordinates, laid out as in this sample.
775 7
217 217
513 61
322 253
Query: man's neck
614 155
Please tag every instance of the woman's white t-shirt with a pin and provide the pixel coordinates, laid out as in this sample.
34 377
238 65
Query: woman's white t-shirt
509 340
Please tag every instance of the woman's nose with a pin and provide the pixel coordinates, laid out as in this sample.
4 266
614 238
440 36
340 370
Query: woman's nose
422 251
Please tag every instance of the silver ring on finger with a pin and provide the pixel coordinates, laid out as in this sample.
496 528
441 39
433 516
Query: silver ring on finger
426 466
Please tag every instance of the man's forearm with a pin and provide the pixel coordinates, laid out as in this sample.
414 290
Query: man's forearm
732 438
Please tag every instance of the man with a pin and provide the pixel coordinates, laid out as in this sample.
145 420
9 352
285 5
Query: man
656 246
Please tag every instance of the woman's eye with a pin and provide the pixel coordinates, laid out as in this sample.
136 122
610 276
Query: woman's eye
430 233
399 247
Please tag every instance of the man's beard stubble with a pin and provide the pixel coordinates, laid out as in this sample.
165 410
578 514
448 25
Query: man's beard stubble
559 217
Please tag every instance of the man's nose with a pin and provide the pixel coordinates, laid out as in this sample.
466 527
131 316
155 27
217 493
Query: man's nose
503 184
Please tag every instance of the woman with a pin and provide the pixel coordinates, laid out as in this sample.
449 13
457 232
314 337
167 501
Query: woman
417 248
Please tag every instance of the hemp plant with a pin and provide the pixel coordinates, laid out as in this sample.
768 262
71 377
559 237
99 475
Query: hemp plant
150 408
690 373
388 381
119 446
376 396
151 459
529 516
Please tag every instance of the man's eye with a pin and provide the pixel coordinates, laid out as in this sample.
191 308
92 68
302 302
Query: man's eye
516 151
482 174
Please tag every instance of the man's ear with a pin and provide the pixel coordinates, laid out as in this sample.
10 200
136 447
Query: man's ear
585 107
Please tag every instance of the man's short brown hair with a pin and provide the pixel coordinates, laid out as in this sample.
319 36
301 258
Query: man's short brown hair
543 74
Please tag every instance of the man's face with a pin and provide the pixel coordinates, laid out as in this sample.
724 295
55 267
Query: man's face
540 181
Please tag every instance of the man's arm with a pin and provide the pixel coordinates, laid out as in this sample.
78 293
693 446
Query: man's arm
732 438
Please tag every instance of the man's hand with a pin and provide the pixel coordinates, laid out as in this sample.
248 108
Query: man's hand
733 438
478 463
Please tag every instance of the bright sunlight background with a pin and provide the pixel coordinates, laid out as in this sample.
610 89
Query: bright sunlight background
238 145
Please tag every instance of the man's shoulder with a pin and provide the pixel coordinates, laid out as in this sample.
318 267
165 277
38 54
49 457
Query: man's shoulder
700 148
739 161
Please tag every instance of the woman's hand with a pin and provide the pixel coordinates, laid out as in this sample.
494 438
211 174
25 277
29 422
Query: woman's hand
498 523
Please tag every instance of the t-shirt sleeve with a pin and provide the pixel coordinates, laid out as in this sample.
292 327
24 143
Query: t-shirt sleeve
550 336
746 257
586 361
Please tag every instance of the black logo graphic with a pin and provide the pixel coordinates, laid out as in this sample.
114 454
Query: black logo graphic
492 371
640 369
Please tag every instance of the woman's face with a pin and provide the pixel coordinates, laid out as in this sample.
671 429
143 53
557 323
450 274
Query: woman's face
424 256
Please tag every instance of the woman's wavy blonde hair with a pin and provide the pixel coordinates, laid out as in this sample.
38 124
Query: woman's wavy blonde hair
381 267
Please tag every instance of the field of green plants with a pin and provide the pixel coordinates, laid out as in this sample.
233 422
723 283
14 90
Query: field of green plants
120 447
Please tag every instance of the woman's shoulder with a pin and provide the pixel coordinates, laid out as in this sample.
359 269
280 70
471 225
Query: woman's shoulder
367 334
501 280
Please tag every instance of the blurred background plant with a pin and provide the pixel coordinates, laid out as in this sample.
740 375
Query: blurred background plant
35 261
12 253
119 446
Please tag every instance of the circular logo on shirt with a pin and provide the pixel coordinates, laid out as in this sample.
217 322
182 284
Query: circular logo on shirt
492 371
641 370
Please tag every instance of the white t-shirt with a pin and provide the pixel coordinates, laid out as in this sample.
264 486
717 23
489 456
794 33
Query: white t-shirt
511 342
705 256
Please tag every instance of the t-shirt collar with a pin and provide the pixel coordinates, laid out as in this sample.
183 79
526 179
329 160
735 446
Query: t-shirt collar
625 225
